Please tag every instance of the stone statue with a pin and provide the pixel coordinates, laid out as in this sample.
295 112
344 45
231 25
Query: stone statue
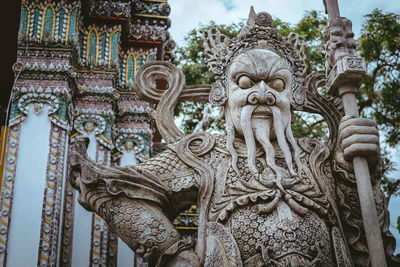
265 198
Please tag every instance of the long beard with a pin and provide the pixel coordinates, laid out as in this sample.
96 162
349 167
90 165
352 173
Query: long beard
260 129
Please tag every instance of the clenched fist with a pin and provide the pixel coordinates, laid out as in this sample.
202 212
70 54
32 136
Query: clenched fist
359 137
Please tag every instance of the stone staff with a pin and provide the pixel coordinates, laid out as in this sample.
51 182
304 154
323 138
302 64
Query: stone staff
345 73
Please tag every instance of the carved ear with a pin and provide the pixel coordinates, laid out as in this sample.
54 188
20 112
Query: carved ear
214 43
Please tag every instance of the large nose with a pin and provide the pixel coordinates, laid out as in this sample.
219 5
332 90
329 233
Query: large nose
262 96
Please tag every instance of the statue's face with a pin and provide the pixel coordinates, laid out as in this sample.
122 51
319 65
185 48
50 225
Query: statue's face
38 107
89 127
263 79
129 145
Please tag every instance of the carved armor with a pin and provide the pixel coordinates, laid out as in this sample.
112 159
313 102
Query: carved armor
256 222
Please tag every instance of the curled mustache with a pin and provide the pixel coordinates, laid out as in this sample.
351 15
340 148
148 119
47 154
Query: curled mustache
245 121
280 135
260 130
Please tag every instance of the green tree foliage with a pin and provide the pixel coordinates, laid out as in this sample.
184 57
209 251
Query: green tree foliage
379 45
380 94
311 27
398 223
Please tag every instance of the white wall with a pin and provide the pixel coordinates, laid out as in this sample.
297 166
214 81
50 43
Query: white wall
128 158
125 254
29 185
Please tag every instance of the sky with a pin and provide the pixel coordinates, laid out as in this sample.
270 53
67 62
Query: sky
188 14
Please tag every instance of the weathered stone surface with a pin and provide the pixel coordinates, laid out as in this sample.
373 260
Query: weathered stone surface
264 197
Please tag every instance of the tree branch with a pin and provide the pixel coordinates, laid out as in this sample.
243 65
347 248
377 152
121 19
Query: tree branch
392 188
315 123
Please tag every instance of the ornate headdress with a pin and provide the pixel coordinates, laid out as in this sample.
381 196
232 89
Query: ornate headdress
258 33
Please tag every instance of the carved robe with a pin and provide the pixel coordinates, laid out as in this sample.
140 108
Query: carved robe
313 220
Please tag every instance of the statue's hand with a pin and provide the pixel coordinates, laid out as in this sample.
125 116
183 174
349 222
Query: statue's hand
76 155
359 137
77 160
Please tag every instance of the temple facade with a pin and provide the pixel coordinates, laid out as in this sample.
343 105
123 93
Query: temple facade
74 77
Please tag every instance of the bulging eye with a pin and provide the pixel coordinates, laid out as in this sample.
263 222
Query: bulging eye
277 84
244 82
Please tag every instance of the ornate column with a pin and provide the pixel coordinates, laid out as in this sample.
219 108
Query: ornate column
87 239
133 135
34 170
39 125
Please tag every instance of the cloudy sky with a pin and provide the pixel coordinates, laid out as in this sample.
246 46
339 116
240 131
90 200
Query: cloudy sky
188 14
